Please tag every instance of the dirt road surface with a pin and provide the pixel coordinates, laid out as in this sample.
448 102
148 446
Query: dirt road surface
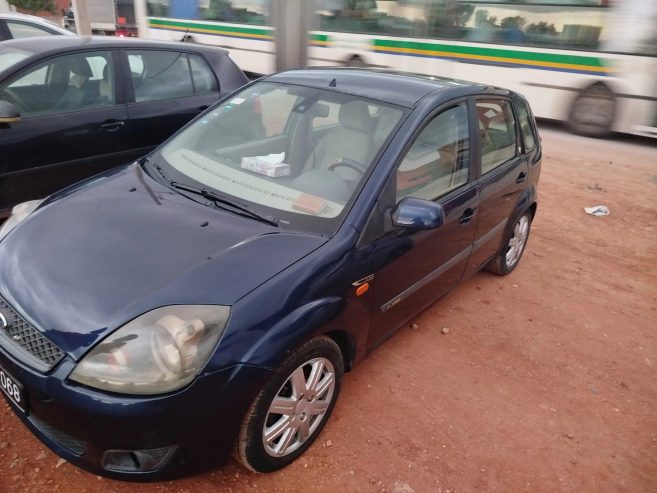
545 382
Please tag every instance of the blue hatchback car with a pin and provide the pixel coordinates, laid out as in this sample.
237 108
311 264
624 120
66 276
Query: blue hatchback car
209 297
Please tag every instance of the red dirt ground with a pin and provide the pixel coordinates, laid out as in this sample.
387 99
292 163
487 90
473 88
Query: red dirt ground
546 381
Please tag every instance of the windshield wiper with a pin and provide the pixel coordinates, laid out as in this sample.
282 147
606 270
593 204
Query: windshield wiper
146 161
218 199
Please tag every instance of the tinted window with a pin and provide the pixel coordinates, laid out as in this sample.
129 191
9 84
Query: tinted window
438 160
24 30
498 133
62 84
525 125
158 75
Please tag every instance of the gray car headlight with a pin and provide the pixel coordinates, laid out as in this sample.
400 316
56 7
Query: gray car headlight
157 352
18 214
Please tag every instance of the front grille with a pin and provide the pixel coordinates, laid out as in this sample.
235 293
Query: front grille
64 439
32 346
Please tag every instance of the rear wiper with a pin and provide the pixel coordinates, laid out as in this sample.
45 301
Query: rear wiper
218 199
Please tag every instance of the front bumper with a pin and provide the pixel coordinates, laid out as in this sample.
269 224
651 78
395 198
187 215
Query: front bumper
190 430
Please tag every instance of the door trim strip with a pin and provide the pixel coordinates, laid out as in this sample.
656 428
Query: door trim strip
464 254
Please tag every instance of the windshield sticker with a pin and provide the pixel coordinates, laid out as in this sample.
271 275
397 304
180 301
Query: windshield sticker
243 184
237 101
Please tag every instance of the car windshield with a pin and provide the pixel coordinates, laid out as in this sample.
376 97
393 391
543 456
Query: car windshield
10 56
293 154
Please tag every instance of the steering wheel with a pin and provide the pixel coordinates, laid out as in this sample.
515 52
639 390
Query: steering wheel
348 163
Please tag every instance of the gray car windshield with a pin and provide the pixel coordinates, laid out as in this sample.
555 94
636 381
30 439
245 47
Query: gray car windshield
293 153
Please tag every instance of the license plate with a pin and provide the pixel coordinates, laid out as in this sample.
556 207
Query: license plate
13 389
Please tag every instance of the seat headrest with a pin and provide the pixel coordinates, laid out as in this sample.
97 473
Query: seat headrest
355 115
80 66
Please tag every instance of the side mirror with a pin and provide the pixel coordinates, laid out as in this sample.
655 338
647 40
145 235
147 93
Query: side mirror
413 213
8 112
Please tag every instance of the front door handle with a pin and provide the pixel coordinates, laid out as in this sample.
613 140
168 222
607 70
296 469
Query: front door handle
467 215
521 177
112 126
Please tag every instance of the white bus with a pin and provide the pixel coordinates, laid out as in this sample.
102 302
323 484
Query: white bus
591 63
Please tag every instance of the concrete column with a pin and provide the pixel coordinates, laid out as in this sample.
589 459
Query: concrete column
291 20
82 21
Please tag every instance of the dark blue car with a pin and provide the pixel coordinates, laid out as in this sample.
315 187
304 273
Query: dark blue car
210 296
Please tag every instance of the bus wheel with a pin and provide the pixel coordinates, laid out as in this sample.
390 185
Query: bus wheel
355 61
593 111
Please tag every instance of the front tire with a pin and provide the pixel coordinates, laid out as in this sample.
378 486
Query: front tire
290 411
509 256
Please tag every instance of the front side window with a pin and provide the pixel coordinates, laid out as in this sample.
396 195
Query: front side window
438 161
159 75
62 84
498 133
262 148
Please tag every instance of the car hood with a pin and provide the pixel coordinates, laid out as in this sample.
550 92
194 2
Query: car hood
90 261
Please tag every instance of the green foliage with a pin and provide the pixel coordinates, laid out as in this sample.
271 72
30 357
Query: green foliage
34 6
541 28
512 22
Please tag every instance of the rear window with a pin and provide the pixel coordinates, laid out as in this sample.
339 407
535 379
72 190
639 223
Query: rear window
526 126
498 133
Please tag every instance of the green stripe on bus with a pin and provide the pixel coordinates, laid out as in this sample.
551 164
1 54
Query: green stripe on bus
162 23
489 52
319 37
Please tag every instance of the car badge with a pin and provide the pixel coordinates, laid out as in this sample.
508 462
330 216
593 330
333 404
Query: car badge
4 321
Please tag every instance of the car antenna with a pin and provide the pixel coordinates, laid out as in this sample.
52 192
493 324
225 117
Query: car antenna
333 83
185 35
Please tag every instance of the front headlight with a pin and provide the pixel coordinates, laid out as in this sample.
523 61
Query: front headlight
18 214
157 352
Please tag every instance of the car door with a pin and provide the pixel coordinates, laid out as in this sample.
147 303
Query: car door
166 89
503 175
71 111
414 268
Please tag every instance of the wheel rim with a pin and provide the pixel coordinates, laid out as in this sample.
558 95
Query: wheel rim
299 407
517 241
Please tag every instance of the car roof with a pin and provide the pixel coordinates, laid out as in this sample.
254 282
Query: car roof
35 20
400 88
50 45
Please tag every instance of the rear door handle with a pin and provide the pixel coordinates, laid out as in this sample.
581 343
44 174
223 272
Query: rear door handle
521 177
112 126
467 215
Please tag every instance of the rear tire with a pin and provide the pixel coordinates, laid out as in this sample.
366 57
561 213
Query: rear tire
592 114
509 256
290 411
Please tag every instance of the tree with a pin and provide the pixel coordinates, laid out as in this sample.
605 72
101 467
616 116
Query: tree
512 22
34 6
541 28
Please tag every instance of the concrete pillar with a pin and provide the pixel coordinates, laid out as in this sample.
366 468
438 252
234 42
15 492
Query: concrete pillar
291 21
82 21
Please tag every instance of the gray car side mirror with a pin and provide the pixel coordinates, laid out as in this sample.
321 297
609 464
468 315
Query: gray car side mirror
8 112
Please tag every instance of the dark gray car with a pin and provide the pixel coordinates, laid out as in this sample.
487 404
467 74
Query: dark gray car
72 106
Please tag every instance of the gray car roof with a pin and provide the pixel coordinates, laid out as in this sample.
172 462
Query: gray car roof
401 88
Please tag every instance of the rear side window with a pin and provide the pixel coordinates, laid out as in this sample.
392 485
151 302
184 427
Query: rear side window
525 125
498 133
159 75
24 30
